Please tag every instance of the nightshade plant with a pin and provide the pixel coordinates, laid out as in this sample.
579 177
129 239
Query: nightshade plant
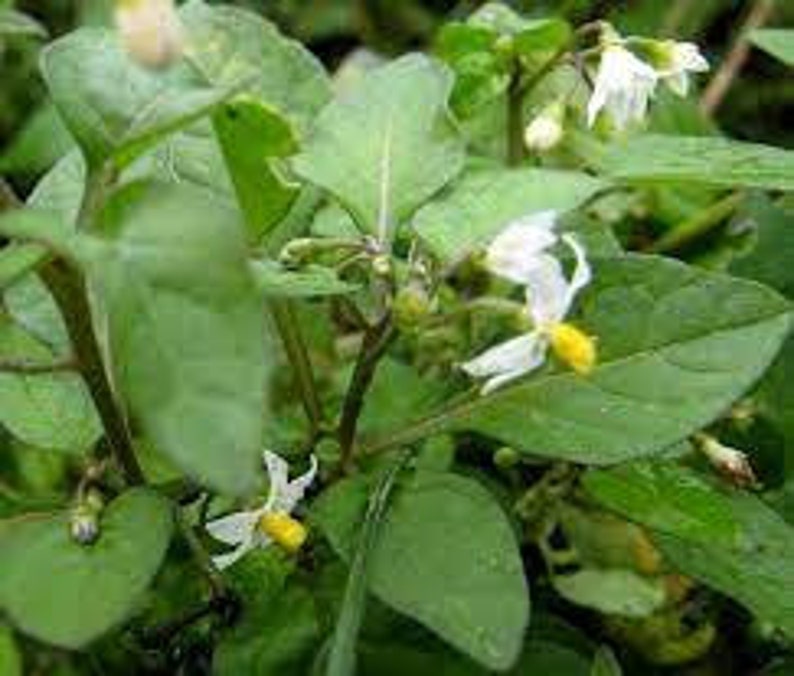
243 254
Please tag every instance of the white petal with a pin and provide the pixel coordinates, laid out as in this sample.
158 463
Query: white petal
515 356
678 83
222 561
622 87
546 290
582 274
512 252
295 490
278 475
234 528
688 57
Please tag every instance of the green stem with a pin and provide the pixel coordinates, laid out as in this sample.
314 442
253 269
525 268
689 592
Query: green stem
701 223
283 312
376 341
34 368
68 288
515 121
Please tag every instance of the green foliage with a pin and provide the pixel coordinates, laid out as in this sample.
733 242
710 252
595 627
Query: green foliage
457 572
96 586
383 148
775 41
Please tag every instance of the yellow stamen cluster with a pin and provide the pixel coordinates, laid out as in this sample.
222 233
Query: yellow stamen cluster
288 533
574 347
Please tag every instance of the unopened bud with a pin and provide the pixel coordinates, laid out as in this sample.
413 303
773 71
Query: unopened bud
730 462
545 131
411 305
506 457
150 31
84 524
295 251
381 265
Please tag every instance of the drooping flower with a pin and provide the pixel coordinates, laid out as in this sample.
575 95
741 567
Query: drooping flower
519 253
150 31
674 61
623 86
270 523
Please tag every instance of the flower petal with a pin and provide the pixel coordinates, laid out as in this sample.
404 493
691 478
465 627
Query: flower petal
512 252
546 291
515 357
233 528
287 500
222 561
582 274
278 475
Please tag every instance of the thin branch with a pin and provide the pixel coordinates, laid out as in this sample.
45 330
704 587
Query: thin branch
289 330
375 343
35 368
723 79
67 287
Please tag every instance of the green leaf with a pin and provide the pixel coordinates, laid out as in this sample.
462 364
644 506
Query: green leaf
677 346
42 140
756 569
231 45
16 260
185 327
17 24
458 573
60 190
10 659
113 107
342 648
384 147
665 497
313 280
252 135
549 657
613 592
476 209
705 160
68 594
779 42
47 410
605 663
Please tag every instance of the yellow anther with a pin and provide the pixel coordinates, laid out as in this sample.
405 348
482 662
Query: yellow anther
574 347
288 533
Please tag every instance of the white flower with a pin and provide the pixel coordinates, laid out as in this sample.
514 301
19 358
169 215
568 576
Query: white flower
545 130
270 523
150 31
549 299
623 86
675 61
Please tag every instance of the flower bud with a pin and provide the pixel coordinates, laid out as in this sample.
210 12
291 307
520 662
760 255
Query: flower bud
730 462
150 31
84 524
545 131
411 305
506 457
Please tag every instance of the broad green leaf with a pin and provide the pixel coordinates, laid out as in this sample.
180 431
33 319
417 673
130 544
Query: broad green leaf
32 307
42 141
552 659
613 592
47 410
16 260
230 45
17 24
458 573
676 345
387 145
470 213
61 189
185 327
252 137
706 160
68 594
342 646
665 497
10 657
273 279
779 42
113 107
756 569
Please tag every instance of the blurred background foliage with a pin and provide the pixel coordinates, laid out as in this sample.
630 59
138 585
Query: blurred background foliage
757 106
